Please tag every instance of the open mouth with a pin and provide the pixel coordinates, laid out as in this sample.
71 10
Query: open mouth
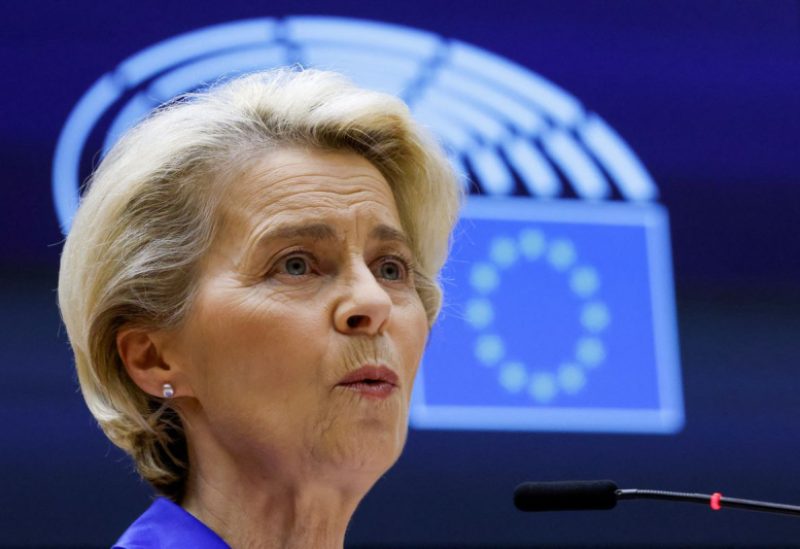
365 382
371 381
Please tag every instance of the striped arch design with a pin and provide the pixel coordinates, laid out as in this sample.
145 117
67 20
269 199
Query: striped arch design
511 130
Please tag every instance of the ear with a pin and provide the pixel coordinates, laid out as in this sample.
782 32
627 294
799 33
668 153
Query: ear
141 351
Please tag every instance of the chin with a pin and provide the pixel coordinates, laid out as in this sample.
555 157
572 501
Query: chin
367 449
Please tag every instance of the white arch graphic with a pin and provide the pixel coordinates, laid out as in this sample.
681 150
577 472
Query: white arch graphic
500 121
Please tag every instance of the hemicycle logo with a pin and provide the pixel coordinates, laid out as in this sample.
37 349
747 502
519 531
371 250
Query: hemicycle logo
559 307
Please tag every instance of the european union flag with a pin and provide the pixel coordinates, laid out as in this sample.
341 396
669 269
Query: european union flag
559 316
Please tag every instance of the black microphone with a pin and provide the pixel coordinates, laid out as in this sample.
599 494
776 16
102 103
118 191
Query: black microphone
588 495
572 495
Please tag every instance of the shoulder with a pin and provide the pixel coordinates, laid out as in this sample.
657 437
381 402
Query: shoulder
166 525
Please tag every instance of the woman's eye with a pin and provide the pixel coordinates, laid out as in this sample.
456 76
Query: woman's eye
392 269
296 266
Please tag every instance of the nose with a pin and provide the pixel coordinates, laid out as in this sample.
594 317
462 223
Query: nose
365 305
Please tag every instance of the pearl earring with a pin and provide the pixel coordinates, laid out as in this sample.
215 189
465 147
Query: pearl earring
167 390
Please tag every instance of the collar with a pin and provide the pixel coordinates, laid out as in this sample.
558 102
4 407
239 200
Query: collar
166 525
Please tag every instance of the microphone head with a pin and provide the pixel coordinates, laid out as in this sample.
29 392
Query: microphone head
573 495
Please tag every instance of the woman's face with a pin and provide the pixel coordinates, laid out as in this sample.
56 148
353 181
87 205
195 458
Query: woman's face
302 345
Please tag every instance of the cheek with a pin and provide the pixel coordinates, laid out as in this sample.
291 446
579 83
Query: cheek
255 350
414 340
257 365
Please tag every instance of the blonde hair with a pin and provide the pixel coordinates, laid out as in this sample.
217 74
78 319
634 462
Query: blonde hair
149 217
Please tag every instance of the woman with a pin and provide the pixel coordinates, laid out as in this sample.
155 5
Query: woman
248 287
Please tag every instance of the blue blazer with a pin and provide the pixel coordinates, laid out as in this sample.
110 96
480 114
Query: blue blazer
166 525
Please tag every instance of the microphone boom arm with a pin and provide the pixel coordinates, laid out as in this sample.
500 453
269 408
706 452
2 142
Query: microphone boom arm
716 501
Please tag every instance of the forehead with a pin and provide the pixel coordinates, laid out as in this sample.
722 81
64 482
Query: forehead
292 184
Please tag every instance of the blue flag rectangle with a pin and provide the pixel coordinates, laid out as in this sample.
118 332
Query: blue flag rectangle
558 316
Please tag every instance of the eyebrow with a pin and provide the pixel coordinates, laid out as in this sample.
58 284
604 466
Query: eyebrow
315 231
322 231
386 233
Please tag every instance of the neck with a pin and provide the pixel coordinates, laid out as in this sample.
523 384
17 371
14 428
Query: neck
286 517
262 507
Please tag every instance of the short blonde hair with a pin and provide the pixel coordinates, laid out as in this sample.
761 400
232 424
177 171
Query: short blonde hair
149 216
